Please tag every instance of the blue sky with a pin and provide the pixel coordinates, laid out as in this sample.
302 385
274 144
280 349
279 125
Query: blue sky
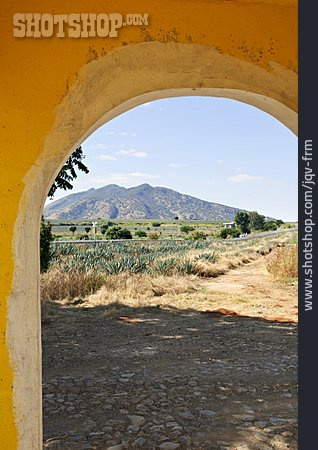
215 149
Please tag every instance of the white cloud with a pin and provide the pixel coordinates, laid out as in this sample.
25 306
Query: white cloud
132 152
106 157
119 133
178 165
220 161
140 154
243 178
124 178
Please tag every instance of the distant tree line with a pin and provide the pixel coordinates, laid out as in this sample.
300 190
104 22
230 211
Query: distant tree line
246 222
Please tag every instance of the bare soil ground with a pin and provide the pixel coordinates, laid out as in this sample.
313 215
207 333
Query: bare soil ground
262 296
167 375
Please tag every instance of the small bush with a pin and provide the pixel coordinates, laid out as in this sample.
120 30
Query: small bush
141 233
186 229
226 233
270 226
279 222
82 237
197 236
73 229
118 233
282 263
153 235
46 238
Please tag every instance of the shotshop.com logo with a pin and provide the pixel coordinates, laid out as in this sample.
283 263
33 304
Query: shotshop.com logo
74 25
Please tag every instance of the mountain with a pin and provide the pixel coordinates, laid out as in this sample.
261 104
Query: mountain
140 202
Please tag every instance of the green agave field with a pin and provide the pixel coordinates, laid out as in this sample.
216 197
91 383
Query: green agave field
162 258
112 258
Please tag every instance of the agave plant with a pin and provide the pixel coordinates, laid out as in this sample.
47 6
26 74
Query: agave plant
185 266
211 257
135 257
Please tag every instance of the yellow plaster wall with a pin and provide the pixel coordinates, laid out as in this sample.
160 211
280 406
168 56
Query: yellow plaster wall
36 74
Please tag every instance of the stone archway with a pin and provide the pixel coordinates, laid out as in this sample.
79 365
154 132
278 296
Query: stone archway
105 88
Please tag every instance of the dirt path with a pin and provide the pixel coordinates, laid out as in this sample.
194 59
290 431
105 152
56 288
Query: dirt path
261 295
167 377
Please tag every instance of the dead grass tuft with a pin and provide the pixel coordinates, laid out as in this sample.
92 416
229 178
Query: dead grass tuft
282 263
207 270
140 289
57 285
90 289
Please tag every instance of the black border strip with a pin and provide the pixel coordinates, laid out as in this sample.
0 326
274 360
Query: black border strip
308 321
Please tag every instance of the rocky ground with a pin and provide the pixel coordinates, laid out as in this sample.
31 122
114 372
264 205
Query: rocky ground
165 378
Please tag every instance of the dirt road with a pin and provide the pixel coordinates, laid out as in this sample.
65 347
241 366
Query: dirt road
260 294
167 378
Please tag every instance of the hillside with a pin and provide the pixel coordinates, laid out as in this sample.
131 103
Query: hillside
140 202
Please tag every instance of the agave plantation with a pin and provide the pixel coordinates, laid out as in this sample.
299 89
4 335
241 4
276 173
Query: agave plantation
96 264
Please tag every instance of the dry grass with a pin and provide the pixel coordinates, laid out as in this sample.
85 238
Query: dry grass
122 293
282 263
140 289
57 285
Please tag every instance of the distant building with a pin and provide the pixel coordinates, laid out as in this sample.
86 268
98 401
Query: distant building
229 224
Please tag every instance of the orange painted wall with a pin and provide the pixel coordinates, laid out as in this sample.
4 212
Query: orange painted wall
36 73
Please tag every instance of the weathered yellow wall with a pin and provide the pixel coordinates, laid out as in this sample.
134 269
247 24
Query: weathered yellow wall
36 74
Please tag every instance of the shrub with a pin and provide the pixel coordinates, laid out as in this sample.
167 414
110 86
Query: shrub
279 222
270 226
82 237
286 226
226 233
156 224
141 233
153 235
46 238
73 229
197 236
186 229
118 233
282 263
104 228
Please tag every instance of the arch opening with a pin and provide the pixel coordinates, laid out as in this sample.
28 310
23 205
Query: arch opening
144 73
130 315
